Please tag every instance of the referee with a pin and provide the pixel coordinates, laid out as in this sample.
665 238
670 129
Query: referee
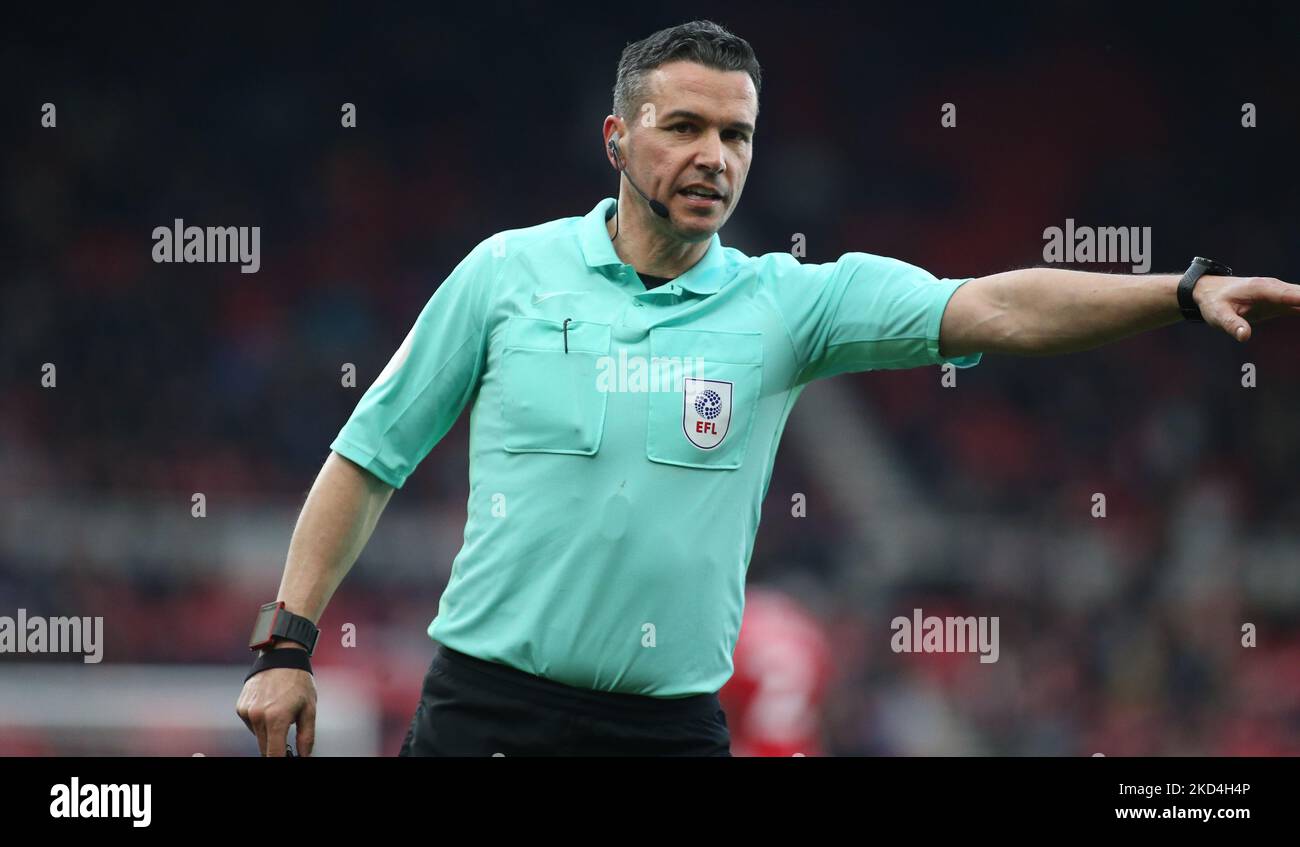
595 604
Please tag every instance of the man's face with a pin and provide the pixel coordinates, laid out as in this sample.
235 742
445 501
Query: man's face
700 134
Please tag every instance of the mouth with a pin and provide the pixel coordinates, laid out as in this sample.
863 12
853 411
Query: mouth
701 198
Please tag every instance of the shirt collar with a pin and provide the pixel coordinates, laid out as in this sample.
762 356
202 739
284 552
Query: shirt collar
704 277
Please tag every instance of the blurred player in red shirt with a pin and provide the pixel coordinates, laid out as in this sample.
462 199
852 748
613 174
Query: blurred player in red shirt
773 700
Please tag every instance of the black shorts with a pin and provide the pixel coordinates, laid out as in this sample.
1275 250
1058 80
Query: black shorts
470 707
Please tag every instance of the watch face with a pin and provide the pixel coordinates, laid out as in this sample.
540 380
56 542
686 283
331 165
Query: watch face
264 625
1212 267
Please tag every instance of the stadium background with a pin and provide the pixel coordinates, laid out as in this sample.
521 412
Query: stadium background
1119 635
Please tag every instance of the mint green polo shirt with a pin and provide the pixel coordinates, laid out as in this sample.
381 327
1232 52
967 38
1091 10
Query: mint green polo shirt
621 440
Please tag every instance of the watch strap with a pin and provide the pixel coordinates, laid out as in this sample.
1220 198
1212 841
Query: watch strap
1199 267
282 657
296 628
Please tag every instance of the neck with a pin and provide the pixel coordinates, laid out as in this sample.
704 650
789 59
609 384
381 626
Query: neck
643 243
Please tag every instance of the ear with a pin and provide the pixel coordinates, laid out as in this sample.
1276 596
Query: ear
613 152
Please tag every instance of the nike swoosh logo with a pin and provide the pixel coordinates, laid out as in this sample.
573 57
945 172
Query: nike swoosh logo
537 298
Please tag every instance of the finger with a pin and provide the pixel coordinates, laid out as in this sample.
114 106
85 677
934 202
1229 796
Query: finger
259 729
306 730
1269 298
1229 320
277 735
1285 292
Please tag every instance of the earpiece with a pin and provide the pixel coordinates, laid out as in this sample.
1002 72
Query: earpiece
613 149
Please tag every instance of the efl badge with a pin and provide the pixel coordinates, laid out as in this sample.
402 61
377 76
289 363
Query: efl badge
707 412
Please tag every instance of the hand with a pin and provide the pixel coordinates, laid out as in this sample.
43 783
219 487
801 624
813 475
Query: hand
1226 301
275 699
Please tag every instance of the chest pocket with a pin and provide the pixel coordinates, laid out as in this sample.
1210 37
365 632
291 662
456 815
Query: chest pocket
705 420
549 398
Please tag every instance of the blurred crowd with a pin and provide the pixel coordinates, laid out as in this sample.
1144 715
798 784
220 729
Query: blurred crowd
1121 635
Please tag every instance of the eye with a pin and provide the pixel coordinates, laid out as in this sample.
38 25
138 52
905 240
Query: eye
679 126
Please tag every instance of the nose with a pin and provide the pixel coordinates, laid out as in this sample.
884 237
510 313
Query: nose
710 155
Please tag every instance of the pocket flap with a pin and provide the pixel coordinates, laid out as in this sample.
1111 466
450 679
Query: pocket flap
740 348
547 334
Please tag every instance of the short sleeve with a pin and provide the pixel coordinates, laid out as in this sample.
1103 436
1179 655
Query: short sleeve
425 386
861 313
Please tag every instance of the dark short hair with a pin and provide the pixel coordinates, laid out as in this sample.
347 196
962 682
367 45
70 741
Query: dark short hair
703 42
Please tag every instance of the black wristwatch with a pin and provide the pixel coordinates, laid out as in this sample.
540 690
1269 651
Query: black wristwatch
275 621
1200 267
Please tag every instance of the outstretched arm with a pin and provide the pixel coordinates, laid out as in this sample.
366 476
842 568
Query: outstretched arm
1048 311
